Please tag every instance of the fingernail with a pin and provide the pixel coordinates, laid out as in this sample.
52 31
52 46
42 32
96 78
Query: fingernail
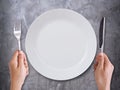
20 52
100 54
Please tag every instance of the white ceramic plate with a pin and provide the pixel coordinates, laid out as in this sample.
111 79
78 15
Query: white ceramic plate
61 44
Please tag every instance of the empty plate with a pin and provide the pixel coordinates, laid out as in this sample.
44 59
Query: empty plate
61 44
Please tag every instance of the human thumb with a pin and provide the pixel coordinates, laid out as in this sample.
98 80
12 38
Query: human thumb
21 59
100 60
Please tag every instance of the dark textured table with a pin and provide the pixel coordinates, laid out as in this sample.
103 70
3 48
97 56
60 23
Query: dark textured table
28 10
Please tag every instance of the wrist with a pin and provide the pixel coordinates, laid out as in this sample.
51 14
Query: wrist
104 88
15 86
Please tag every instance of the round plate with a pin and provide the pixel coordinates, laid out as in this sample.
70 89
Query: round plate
61 44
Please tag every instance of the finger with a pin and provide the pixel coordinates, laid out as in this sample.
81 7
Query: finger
107 62
25 61
15 55
14 60
106 58
100 60
21 59
27 72
95 66
26 66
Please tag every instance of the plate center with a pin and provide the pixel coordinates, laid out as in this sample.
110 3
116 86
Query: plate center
60 44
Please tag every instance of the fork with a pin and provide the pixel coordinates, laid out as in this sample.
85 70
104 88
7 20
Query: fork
17 32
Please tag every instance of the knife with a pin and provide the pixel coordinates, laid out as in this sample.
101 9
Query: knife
102 34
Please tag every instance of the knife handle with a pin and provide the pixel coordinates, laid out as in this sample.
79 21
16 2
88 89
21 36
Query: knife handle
100 50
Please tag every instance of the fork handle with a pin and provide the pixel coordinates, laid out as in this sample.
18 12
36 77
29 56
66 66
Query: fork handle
19 44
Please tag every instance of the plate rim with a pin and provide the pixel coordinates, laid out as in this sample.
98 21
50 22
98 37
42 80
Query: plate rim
58 78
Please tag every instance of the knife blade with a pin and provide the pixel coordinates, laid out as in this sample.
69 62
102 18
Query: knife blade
102 34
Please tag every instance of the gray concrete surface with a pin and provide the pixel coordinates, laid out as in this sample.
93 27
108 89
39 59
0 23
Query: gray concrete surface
93 10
